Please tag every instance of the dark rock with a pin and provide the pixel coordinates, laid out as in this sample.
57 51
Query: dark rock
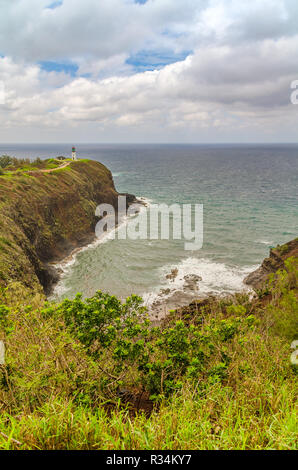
173 274
276 261
130 199
191 282
192 278
165 291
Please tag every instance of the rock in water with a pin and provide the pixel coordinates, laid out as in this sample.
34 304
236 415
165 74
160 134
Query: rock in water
172 276
191 282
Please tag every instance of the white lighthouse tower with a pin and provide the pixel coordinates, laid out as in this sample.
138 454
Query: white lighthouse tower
74 153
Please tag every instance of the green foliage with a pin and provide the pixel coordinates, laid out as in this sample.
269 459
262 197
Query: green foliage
98 321
215 374
282 249
6 326
157 358
5 161
236 310
283 309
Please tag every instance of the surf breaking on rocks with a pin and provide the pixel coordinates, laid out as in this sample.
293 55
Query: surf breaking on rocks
194 278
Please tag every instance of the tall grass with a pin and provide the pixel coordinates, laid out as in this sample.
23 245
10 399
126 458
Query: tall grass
51 397
218 420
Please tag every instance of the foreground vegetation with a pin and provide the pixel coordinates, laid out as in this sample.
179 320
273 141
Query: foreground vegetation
95 374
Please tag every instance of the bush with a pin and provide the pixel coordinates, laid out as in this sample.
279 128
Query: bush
5 161
120 336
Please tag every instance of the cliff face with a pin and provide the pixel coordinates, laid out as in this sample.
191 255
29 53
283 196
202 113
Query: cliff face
272 264
44 216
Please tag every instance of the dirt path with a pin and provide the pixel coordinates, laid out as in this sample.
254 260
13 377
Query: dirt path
55 169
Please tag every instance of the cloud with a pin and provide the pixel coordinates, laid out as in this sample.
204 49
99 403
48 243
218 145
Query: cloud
119 66
78 30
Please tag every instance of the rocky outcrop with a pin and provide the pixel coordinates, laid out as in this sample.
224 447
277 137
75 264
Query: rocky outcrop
174 296
272 264
46 216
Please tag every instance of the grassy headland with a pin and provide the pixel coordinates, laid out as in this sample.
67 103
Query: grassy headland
45 215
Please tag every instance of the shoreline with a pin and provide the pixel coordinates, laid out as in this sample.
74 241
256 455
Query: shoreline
59 268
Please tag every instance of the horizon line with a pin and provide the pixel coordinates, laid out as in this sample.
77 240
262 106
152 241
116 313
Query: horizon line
148 143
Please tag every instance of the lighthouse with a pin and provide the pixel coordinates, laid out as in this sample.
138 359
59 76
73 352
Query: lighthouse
74 153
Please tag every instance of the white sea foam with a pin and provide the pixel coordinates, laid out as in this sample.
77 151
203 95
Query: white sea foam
265 242
217 278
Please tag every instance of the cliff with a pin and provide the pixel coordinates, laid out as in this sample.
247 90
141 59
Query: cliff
44 216
272 264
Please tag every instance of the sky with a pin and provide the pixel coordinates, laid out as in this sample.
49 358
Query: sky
191 71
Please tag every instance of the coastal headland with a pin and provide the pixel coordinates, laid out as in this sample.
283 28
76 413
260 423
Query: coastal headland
46 214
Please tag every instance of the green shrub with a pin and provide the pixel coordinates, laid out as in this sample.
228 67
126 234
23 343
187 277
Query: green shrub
5 161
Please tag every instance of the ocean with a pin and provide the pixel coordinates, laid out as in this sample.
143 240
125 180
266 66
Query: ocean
249 193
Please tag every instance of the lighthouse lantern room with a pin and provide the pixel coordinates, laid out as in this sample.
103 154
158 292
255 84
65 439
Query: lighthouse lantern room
74 153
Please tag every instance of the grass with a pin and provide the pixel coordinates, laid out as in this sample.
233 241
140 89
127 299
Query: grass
217 420
52 395
23 166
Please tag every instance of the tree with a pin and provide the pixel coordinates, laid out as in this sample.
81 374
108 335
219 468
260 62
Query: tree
5 161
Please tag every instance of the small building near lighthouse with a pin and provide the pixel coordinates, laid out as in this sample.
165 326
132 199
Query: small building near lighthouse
74 153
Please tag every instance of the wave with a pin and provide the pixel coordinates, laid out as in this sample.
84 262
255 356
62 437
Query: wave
217 279
265 242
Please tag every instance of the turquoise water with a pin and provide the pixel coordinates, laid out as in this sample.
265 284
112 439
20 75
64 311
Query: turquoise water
249 195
